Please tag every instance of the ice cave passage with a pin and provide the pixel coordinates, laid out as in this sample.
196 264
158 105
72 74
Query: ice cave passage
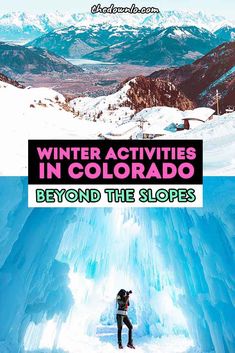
60 270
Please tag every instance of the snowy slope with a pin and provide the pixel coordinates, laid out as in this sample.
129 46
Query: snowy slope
35 113
218 136
42 113
105 108
18 25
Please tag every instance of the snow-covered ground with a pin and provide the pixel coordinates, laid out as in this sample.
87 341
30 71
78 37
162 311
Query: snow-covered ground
106 342
35 113
41 113
218 137
105 108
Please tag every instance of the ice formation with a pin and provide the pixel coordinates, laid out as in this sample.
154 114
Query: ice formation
60 270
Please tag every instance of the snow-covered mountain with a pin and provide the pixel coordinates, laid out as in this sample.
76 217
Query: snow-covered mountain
124 44
227 33
74 42
26 26
162 46
17 59
214 71
132 97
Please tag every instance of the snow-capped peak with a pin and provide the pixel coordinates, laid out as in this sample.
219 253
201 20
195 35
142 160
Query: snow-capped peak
14 23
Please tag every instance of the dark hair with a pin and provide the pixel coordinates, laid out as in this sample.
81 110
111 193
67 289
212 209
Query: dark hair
122 292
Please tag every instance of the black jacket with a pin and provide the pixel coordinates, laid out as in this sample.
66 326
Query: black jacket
123 303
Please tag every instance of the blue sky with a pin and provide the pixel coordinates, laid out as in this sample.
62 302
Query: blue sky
225 7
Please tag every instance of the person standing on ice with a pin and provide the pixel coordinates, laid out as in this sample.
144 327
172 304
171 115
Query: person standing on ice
123 304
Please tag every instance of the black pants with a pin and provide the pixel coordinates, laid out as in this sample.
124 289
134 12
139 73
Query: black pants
120 320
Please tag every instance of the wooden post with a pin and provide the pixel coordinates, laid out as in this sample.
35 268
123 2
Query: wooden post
217 102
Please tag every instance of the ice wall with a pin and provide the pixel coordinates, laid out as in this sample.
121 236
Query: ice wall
198 246
13 213
33 284
60 270
114 250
